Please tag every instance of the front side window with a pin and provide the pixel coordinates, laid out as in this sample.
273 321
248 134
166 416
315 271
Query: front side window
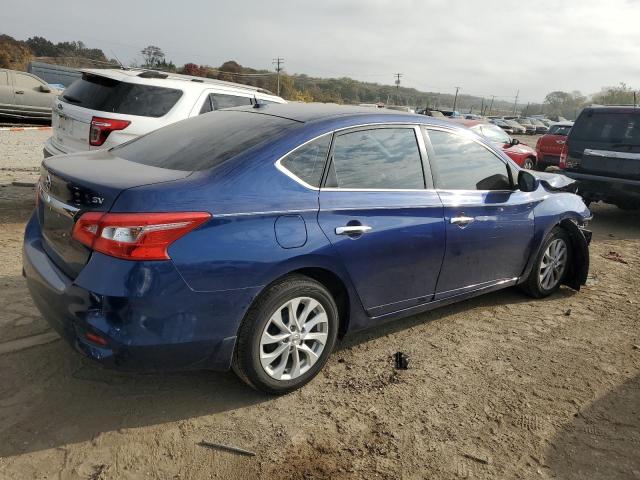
307 162
383 158
26 81
217 101
494 133
462 164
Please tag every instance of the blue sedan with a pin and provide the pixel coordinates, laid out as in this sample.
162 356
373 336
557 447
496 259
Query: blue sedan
252 238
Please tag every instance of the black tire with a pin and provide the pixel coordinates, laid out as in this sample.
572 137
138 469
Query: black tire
246 360
533 286
529 164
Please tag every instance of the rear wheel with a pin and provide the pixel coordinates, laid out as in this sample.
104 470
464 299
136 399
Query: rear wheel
551 266
286 336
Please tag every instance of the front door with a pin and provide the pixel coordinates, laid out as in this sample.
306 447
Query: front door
6 93
386 227
489 225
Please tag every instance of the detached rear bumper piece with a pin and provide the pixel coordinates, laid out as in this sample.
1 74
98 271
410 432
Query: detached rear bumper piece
138 316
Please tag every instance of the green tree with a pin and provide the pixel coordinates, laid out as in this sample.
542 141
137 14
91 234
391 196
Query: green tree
153 56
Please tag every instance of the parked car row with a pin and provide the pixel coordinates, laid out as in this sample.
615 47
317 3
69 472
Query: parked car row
24 96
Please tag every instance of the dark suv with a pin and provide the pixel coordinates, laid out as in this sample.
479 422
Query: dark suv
603 154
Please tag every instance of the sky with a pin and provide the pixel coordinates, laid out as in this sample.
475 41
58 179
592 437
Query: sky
488 47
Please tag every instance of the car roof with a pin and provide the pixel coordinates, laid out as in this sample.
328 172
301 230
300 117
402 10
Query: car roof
470 123
310 112
176 80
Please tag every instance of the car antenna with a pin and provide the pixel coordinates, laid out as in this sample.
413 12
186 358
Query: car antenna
122 67
256 102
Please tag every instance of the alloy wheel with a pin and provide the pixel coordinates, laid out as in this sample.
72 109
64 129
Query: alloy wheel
528 164
553 264
294 338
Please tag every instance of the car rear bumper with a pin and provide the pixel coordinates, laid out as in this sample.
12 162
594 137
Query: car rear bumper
548 160
149 319
598 187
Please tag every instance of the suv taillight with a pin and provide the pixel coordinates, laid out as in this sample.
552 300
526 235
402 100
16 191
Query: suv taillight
135 236
562 163
102 127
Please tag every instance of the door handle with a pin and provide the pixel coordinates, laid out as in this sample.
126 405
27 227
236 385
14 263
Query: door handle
19 92
462 221
353 230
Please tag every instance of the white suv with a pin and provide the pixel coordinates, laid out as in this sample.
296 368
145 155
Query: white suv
107 107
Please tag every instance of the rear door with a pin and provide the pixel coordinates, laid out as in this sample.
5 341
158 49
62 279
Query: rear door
489 226
384 223
606 142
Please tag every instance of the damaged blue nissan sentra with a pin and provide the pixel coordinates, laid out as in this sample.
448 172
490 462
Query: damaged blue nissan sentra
252 238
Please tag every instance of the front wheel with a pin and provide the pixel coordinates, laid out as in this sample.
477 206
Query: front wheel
529 164
551 266
286 336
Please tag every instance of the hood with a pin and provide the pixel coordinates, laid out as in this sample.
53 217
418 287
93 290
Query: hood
555 182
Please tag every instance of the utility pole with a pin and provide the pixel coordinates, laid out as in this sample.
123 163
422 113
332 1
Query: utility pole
397 82
491 104
455 99
278 62
515 104
482 107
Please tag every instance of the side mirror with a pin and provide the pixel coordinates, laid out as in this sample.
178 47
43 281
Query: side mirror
45 89
527 182
515 141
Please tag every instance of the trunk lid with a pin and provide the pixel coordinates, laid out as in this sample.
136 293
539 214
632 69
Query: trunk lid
552 144
70 126
73 184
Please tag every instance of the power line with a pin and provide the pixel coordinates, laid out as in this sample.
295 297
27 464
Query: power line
278 62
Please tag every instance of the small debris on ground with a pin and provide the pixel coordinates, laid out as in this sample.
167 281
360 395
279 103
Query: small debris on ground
636 347
228 448
478 458
402 361
615 256
567 312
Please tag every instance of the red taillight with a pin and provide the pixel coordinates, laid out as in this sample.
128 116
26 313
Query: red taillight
92 337
102 127
135 236
562 163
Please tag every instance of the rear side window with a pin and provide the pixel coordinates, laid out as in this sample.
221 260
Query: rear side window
608 127
307 162
559 130
462 164
384 158
108 95
216 101
204 141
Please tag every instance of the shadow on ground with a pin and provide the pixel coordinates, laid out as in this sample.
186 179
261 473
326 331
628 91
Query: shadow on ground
603 441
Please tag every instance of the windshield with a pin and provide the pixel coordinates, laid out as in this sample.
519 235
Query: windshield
204 141
107 95
608 127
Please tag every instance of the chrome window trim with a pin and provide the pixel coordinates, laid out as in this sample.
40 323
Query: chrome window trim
294 177
55 204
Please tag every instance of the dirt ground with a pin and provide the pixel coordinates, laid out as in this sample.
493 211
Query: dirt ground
501 386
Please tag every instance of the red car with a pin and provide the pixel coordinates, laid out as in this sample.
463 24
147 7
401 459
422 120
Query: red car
522 154
549 147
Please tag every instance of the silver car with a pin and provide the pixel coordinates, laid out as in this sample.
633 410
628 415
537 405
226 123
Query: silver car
24 96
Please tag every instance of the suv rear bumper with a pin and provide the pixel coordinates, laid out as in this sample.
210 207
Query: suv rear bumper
50 150
609 189
149 319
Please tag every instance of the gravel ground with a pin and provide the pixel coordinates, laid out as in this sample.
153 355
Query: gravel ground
21 154
501 386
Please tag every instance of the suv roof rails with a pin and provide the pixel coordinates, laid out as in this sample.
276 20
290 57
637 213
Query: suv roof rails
179 76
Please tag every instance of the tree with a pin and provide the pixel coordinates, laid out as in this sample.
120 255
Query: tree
153 56
620 95
564 104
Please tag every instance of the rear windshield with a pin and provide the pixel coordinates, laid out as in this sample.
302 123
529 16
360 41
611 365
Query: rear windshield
559 130
608 127
204 141
108 95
